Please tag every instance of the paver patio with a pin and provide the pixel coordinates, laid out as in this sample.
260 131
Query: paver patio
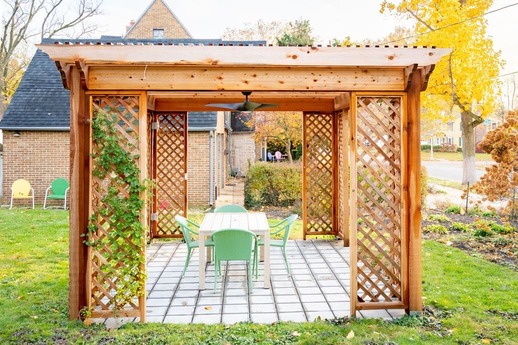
318 287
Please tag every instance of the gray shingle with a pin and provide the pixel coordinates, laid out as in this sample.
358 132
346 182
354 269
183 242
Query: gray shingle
40 101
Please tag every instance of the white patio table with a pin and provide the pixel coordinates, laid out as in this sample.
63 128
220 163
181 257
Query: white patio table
255 222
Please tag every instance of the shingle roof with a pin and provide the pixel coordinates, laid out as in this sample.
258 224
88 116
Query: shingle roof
40 102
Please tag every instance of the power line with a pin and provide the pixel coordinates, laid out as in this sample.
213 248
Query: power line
453 24
507 74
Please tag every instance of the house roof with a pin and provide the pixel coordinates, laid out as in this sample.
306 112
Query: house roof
42 103
153 3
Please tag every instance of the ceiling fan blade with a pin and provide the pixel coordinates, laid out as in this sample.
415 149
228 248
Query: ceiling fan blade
267 105
231 106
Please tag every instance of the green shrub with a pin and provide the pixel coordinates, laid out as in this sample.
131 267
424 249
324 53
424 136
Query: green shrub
453 209
482 228
441 218
501 229
436 229
460 227
268 184
488 214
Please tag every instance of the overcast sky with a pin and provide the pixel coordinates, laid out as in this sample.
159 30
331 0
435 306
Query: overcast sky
329 19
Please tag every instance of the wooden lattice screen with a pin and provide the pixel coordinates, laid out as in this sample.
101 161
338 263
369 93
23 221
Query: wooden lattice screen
318 178
109 292
378 195
169 175
343 176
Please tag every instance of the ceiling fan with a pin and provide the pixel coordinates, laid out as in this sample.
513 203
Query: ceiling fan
243 106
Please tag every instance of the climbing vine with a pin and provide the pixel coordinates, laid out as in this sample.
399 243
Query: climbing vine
115 230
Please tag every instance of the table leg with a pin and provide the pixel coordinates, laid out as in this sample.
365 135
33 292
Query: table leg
267 260
202 262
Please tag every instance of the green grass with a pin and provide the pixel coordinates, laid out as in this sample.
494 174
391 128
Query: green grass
473 300
453 156
445 183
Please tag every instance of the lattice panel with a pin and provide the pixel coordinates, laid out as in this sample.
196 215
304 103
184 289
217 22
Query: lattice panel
171 168
105 279
318 174
343 170
379 203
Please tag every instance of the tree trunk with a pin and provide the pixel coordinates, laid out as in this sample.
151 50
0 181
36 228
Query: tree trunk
468 149
288 150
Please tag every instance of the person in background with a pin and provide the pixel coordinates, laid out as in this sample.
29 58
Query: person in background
270 156
278 156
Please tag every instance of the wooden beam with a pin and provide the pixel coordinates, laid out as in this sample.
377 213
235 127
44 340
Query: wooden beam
409 72
414 200
79 169
184 78
342 101
143 166
250 56
353 199
425 76
199 104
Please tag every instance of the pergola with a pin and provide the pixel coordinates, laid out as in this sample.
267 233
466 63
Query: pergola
361 179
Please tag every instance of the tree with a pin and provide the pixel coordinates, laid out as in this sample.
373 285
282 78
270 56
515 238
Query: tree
467 79
501 179
284 127
26 20
268 31
297 33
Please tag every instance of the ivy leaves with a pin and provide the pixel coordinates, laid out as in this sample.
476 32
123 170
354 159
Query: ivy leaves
115 229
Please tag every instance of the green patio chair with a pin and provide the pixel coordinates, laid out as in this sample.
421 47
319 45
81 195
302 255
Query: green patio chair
59 191
281 229
232 208
234 245
190 236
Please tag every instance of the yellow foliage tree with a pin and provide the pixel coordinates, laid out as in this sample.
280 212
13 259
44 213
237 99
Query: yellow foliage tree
467 79
284 127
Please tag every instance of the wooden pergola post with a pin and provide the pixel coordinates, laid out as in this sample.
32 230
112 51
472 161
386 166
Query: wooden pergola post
79 193
414 202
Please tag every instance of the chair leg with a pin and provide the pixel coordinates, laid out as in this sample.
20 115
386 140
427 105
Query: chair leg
286 260
216 273
33 201
10 207
189 250
250 265
45 202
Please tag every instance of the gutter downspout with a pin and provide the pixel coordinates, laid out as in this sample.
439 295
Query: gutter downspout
211 168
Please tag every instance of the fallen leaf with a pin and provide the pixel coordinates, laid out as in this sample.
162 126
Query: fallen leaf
350 335
208 308
34 316
486 341
295 334
449 243
87 322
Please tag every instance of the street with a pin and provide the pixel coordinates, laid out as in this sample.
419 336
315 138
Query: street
447 170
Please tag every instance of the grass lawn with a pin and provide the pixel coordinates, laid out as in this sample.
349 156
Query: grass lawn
453 156
469 301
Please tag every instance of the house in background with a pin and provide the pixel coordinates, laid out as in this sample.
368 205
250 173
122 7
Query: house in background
36 125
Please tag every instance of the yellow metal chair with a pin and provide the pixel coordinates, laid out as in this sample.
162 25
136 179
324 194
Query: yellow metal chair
21 189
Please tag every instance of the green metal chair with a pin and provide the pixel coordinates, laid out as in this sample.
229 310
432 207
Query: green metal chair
190 236
59 188
281 229
234 245
232 208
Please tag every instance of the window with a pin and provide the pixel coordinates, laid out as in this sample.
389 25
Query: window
158 33
450 126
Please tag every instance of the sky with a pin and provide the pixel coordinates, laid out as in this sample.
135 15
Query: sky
359 19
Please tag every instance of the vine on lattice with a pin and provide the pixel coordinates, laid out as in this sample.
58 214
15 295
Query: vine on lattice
121 204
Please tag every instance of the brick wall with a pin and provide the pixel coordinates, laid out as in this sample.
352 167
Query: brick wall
38 157
158 17
243 151
198 147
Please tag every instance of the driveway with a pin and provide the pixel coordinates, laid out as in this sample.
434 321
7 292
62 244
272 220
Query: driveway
449 170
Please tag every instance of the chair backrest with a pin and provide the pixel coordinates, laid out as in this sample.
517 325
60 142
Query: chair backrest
287 225
232 208
233 244
187 232
21 188
59 186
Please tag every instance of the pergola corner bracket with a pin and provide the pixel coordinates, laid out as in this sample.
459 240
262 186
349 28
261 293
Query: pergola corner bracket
83 72
409 72
343 101
425 76
64 70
